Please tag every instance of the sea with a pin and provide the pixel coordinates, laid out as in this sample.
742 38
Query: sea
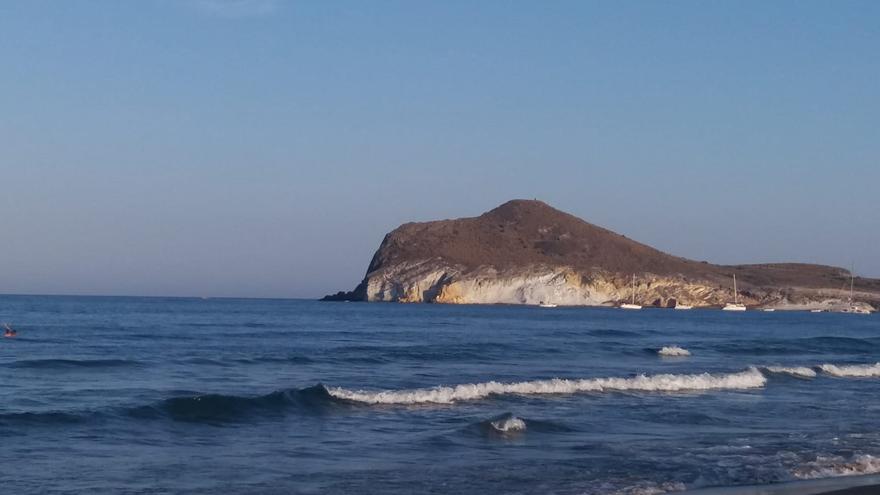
123 395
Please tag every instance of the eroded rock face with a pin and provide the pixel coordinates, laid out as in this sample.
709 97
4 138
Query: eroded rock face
534 285
525 252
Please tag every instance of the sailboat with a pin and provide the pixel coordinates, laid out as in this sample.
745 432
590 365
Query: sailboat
735 305
546 304
633 304
852 308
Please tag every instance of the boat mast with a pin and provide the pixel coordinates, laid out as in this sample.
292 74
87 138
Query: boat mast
852 280
634 288
734 288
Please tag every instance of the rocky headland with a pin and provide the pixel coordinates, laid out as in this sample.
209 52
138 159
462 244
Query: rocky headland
526 252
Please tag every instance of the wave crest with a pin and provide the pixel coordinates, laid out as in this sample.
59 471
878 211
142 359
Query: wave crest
750 378
222 408
798 371
508 424
853 370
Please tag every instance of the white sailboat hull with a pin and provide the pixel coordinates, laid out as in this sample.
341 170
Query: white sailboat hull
683 306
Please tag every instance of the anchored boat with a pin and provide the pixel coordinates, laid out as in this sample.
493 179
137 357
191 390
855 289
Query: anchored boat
735 305
633 304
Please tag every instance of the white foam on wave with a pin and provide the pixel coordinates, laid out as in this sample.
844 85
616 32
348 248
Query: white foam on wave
829 467
799 371
855 370
750 378
652 489
674 351
509 425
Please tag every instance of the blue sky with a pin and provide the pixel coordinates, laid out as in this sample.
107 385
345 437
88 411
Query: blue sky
263 148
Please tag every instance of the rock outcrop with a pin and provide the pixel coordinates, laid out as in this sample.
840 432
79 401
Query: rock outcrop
526 252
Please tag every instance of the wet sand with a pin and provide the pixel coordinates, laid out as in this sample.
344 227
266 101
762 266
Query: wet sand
858 490
842 485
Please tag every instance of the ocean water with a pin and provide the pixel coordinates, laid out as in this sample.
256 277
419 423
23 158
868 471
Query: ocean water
153 395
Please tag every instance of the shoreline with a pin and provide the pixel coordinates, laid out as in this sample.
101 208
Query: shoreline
868 484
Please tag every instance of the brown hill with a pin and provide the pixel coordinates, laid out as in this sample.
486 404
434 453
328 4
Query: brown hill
524 237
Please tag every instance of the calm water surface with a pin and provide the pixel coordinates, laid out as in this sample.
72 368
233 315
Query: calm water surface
151 395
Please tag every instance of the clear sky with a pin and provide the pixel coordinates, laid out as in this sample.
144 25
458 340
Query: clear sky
264 148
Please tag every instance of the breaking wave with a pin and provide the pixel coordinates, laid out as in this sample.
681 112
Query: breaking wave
840 371
652 489
750 378
829 467
853 370
319 400
508 424
674 351
798 371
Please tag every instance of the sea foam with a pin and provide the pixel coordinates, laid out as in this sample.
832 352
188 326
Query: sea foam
854 370
828 467
749 378
674 351
508 424
652 489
